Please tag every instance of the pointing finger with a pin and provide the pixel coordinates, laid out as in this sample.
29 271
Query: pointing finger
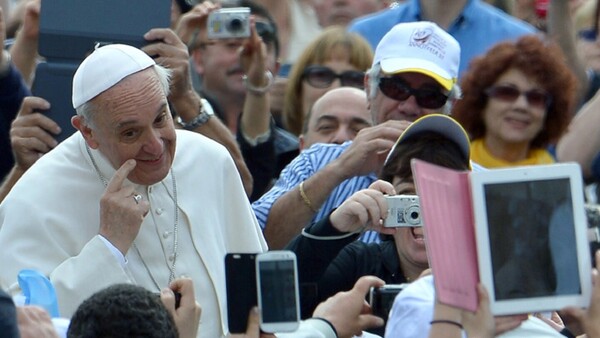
116 182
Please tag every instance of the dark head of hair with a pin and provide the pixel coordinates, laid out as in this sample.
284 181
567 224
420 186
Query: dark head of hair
268 33
122 310
538 59
184 5
427 146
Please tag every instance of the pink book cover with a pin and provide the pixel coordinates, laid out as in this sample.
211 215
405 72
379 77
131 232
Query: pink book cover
449 228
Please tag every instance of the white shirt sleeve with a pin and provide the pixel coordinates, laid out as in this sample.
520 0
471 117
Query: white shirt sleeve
118 255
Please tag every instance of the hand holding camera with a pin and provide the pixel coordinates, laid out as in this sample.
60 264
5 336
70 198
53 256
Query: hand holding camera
180 301
367 208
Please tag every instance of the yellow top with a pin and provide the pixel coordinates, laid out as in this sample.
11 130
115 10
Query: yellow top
481 155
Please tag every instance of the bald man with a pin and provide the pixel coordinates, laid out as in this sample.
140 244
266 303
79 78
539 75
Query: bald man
336 117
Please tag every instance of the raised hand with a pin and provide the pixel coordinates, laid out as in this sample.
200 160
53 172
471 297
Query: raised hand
187 315
366 208
122 210
348 311
169 51
370 148
31 132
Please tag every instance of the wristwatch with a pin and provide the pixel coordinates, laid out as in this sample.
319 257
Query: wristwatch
206 112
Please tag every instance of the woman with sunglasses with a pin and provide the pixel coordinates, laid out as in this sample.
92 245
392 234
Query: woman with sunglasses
518 99
335 58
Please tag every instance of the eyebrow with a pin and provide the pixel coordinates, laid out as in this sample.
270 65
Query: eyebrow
353 120
126 123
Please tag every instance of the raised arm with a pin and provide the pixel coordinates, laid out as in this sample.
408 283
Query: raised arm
171 52
560 28
295 209
581 142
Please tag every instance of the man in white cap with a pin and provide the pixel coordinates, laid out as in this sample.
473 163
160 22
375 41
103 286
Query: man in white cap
118 202
414 72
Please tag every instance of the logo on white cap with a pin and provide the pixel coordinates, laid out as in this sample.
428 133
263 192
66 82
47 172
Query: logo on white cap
427 40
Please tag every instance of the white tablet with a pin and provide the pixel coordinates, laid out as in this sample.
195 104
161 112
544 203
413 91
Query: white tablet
532 248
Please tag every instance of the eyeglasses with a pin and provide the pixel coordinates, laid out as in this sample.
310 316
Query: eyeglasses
535 97
323 77
266 31
397 89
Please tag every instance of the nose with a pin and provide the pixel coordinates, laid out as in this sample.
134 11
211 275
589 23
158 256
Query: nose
342 135
410 108
521 101
154 143
337 83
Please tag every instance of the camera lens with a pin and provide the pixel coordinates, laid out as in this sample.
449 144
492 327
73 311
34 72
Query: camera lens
235 25
413 215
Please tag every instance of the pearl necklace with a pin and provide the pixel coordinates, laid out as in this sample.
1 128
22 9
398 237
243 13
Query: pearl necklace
175 223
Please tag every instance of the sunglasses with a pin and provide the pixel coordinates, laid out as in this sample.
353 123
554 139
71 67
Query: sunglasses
266 31
323 77
397 89
535 97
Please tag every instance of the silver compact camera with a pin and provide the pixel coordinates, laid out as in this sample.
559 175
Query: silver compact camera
229 23
403 211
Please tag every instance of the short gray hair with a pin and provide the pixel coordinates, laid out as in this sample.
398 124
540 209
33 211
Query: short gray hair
88 109
375 74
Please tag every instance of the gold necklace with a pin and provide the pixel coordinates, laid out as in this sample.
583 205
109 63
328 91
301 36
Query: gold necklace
175 223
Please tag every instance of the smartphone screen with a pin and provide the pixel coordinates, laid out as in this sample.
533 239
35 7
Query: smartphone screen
278 291
240 279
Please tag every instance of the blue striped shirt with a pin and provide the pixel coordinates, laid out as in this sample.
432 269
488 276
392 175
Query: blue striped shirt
304 166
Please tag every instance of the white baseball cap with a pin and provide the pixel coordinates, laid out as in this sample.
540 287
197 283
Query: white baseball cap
440 124
104 68
421 47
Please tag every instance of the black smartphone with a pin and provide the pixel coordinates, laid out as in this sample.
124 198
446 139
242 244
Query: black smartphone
382 298
240 280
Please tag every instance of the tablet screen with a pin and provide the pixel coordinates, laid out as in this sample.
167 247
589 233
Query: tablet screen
531 237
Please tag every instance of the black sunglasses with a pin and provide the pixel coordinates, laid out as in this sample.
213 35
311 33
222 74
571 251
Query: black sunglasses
323 77
535 97
266 31
397 89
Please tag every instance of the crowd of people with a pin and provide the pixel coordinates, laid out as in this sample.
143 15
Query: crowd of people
290 137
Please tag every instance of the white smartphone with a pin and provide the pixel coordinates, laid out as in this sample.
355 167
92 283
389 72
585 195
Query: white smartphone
277 291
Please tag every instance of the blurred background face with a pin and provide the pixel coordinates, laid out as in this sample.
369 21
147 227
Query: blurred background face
336 117
341 12
218 63
511 119
339 63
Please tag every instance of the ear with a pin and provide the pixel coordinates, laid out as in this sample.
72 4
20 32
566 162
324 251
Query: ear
80 124
198 61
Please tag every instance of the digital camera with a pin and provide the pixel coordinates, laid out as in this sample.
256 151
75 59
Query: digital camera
403 211
229 23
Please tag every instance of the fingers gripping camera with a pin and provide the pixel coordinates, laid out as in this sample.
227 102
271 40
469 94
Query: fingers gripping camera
403 211
229 23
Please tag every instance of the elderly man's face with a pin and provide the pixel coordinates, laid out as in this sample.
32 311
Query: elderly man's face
337 117
133 121
384 107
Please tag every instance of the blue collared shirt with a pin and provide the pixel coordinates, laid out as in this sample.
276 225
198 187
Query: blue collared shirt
477 28
304 166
